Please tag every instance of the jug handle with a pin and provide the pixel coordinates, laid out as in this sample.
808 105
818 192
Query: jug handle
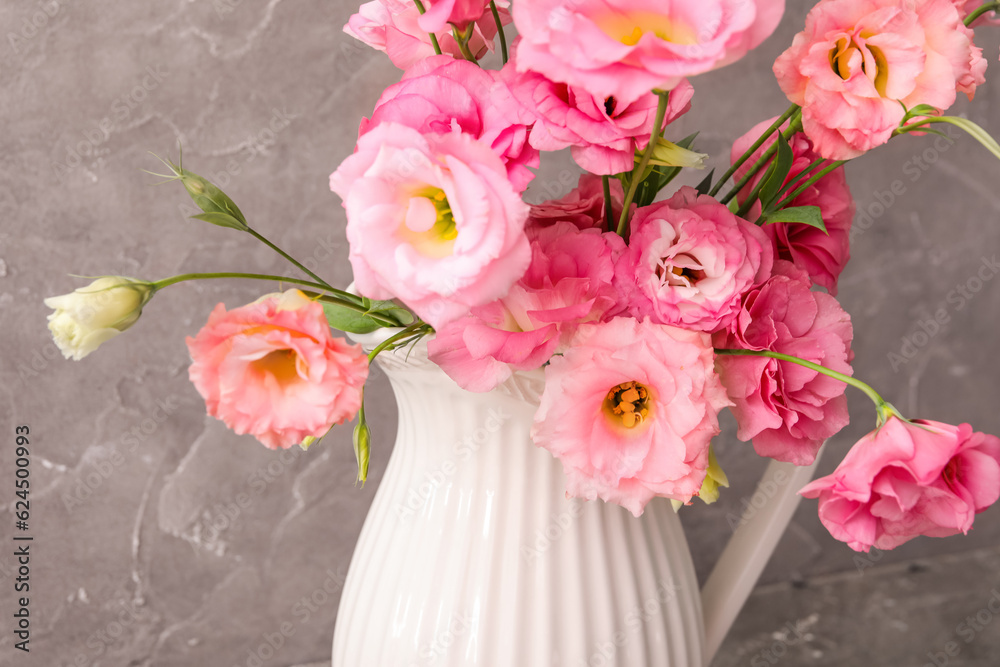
754 540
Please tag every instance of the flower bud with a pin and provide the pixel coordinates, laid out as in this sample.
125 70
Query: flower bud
96 313
218 208
668 154
362 448
715 478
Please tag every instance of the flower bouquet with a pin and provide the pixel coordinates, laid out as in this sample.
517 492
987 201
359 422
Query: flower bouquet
650 308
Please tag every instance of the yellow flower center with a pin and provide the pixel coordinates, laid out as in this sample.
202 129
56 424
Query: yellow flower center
628 404
873 62
429 224
629 28
670 274
281 364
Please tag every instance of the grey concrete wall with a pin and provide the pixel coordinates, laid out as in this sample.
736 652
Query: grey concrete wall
142 553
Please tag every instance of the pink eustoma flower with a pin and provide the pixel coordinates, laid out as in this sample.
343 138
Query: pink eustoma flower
432 220
568 283
859 62
583 206
273 370
460 13
786 409
393 26
909 478
689 261
440 93
822 255
630 410
604 133
625 48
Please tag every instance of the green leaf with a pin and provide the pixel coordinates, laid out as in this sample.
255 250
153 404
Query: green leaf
222 220
919 110
807 215
687 141
646 192
393 310
706 184
347 319
778 172
976 132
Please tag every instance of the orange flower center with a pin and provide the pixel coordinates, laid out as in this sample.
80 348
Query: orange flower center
873 62
670 274
628 404
629 28
281 364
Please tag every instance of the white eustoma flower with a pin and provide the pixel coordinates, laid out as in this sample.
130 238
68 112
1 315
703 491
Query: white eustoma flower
96 313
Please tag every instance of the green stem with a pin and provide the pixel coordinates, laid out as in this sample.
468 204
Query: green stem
854 382
503 37
794 126
754 195
799 176
167 282
640 169
384 320
753 149
609 215
463 42
742 183
812 180
988 7
339 297
434 43
434 39
260 237
392 340
886 410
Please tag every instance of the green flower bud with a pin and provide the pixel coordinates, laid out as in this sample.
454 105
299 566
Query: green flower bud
218 208
362 448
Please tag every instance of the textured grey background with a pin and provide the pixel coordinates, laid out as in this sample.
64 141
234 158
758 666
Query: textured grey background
143 554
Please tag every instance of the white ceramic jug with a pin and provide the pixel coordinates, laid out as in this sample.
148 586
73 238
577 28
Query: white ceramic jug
472 556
